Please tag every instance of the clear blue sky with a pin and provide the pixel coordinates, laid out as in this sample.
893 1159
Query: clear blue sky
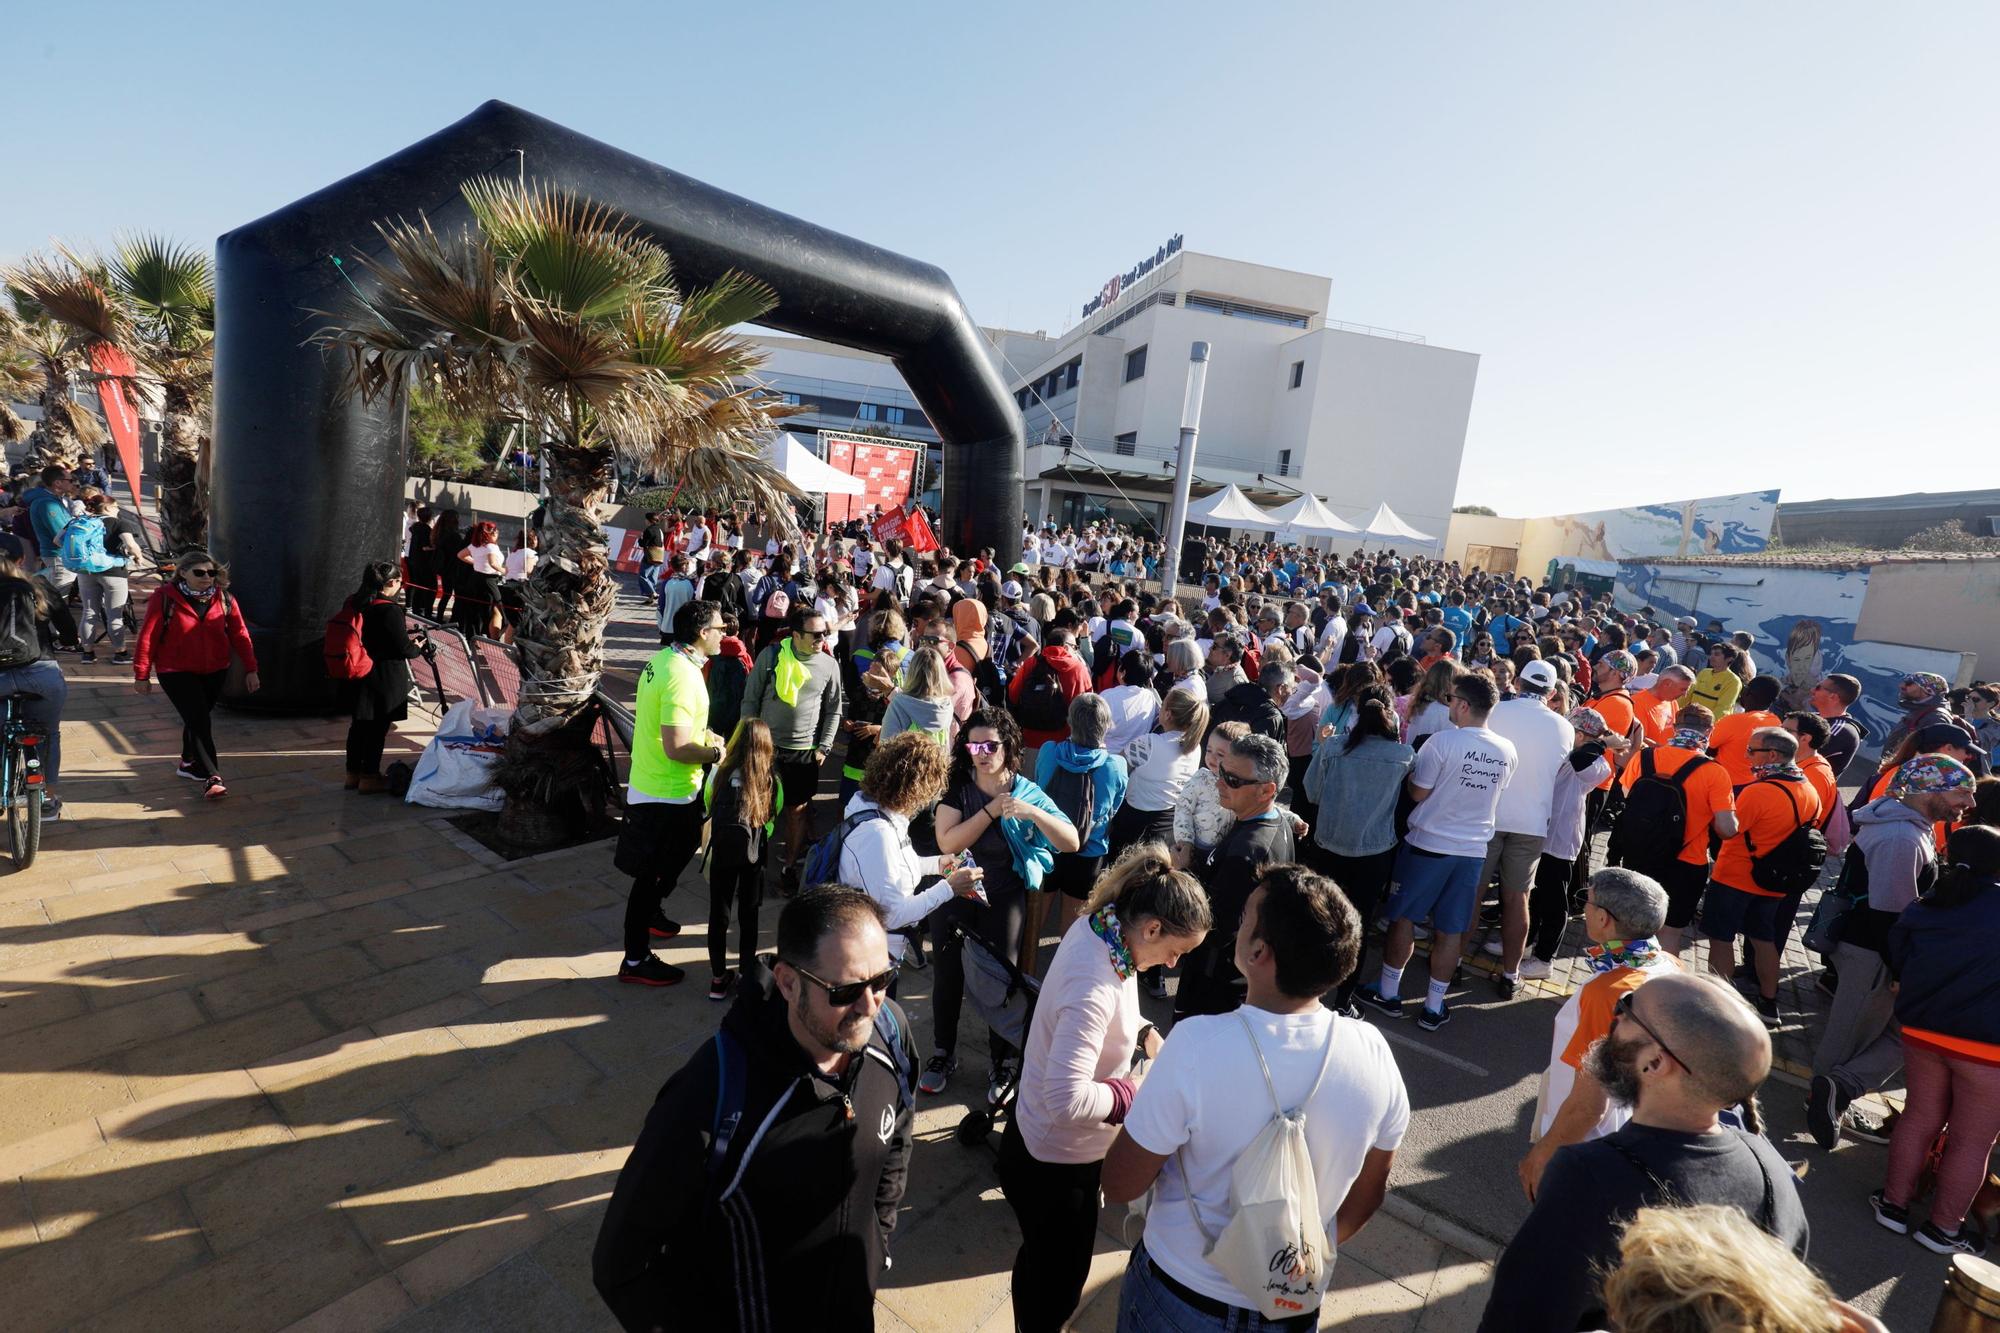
1700 248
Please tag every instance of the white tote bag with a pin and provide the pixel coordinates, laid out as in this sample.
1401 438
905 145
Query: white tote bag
1275 1250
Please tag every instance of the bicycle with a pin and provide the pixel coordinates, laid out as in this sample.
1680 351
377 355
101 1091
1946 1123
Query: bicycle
21 779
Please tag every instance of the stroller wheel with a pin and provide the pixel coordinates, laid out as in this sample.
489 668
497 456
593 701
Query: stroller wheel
975 1128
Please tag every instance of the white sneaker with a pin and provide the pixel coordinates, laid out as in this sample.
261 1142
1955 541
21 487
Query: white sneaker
1534 969
1492 948
1420 932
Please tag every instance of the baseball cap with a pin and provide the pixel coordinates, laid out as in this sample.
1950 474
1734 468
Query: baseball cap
1684 622
1020 567
1587 721
1947 733
1363 609
1930 773
1011 590
1537 677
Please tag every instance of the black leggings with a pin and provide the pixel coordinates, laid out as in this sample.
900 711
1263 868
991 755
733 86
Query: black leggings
1363 879
998 922
1548 906
672 837
193 695
1056 1205
743 883
365 739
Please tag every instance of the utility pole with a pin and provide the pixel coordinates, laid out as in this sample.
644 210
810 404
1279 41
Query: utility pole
1170 562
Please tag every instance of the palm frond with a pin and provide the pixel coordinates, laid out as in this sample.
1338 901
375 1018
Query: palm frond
167 284
581 258
72 292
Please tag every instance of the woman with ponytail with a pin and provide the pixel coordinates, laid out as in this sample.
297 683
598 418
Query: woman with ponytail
193 628
1355 779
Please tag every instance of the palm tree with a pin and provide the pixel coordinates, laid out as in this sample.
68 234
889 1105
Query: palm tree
20 376
168 292
557 314
44 343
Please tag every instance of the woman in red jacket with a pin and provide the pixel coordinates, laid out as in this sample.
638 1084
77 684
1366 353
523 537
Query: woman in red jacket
192 627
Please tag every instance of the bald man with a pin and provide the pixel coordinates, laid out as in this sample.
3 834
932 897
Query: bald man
1687 1054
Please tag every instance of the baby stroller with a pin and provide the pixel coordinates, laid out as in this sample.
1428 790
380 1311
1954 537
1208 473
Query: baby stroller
1004 996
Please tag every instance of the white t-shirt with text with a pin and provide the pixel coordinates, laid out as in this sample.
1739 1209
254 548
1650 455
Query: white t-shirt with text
1465 769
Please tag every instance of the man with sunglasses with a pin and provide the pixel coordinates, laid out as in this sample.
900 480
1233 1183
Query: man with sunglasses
763 1190
795 688
1687 1055
1262 834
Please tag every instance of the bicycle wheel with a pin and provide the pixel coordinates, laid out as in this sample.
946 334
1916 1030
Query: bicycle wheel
24 818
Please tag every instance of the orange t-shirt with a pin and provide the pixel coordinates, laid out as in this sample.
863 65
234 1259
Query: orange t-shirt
1616 710
1820 774
1707 791
1656 716
1764 819
1730 742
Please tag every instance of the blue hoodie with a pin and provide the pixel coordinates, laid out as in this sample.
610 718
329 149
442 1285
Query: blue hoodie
1946 962
1110 786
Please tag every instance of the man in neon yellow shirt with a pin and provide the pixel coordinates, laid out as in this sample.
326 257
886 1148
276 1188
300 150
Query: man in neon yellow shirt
671 743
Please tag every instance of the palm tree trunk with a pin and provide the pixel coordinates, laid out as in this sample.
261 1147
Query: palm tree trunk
183 490
569 596
59 445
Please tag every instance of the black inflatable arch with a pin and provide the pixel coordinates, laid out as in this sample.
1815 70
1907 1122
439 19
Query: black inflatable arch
309 486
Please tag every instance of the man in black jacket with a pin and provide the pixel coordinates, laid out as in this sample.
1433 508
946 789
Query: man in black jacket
763 1190
1251 774
1687 1054
1259 704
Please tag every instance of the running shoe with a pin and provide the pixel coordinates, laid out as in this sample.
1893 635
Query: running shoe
51 810
215 790
663 927
88 656
190 772
650 971
1897 1219
1768 1011
937 1073
1824 1105
1373 997
1000 1083
1430 1020
1868 1129
1505 986
1493 948
1939 1241
718 987
121 659
1534 969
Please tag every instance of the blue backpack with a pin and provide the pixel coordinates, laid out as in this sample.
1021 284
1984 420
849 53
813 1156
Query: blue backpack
822 860
82 547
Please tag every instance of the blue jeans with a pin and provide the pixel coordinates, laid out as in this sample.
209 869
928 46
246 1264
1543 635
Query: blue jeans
46 679
1146 1306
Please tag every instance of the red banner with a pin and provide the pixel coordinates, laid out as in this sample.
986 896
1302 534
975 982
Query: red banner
108 361
887 470
921 537
891 527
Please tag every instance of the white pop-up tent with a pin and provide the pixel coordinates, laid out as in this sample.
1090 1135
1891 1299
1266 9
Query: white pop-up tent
1306 516
808 471
1230 508
1384 524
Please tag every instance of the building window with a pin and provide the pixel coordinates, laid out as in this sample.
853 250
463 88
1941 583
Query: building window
1021 397
791 400
895 416
1128 443
868 412
1135 364
1075 370
1285 458
1298 373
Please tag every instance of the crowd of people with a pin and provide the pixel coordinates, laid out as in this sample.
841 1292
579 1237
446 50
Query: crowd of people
1225 799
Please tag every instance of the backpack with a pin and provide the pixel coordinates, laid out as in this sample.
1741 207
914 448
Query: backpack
1075 794
20 637
346 656
1042 706
1793 865
1398 645
1847 895
1652 828
1275 1250
822 860
988 683
774 602
82 547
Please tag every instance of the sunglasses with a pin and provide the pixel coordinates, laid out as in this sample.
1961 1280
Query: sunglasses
847 992
1623 1009
1233 782
982 747
819 635
201 573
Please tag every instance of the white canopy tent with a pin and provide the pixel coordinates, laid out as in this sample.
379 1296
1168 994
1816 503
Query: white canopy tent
1230 508
1384 524
1307 517
808 471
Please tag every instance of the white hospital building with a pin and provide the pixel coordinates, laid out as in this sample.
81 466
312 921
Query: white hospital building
1295 401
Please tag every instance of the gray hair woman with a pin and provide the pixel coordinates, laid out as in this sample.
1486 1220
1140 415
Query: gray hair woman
1083 1062
1088 783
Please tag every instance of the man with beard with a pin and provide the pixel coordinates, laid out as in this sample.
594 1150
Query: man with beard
1687 1054
1924 697
763 1189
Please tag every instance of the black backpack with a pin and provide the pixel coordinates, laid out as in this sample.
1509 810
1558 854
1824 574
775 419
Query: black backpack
988 683
1075 794
20 637
1793 865
1042 706
1652 827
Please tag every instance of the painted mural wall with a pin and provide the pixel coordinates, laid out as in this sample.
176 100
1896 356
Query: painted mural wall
1680 529
1804 622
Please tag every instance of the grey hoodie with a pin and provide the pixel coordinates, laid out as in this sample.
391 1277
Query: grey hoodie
1898 845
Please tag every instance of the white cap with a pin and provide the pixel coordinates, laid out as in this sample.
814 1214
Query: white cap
1538 677
1011 590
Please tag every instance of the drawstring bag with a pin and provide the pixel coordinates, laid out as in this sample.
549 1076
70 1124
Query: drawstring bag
1275 1250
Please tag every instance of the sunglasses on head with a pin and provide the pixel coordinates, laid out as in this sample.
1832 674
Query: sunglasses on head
1230 780
847 992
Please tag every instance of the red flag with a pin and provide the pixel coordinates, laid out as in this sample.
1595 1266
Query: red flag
891 526
119 371
921 537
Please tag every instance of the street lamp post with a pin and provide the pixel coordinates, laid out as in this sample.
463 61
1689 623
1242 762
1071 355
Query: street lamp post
1170 562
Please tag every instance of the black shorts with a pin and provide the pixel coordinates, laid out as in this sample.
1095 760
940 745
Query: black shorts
1072 875
1683 881
800 773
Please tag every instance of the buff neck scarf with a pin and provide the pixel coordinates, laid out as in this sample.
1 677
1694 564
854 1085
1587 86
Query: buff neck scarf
1784 768
789 675
1689 738
1104 925
1643 952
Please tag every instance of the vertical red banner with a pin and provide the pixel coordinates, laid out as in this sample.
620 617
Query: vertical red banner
112 391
